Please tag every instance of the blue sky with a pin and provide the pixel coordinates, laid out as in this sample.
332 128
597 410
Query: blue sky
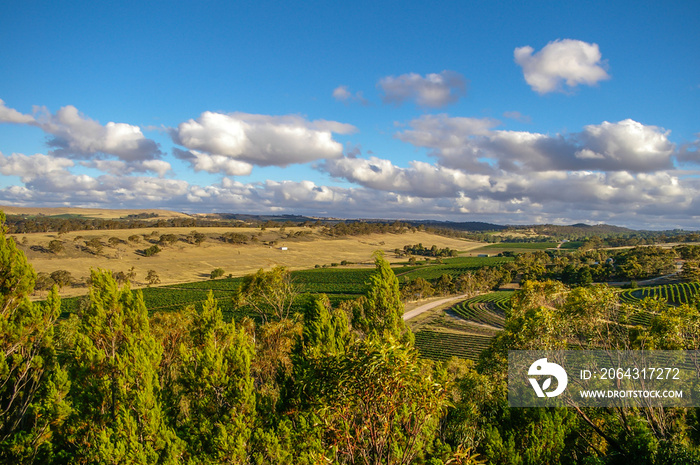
508 112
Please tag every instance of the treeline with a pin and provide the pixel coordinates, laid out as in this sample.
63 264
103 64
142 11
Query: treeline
17 224
360 228
433 251
583 267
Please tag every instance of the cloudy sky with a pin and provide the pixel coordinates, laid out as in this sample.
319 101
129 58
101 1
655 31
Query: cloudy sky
508 112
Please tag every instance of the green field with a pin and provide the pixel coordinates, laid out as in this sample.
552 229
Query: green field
673 294
450 266
517 247
438 345
487 309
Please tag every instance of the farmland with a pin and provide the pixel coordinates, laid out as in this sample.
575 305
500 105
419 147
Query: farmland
180 261
673 294
463 330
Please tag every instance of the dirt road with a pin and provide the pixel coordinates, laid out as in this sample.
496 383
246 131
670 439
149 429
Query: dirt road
429 306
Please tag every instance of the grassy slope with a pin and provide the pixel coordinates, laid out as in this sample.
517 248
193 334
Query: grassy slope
183 262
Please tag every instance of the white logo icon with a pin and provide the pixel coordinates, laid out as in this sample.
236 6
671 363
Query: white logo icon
542 367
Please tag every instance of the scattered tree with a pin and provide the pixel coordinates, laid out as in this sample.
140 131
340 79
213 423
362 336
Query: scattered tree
56 246
152 277
270 294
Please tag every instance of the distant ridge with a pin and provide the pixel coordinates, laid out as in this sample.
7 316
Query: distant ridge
102 213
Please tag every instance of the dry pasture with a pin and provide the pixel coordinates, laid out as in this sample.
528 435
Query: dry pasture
185 262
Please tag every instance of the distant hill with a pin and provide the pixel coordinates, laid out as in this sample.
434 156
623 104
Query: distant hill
101 213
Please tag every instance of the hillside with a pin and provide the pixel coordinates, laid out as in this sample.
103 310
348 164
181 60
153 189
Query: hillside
181 261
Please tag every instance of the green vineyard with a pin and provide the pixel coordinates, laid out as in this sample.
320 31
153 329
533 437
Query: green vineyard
673 294
442 346
453 267
484 318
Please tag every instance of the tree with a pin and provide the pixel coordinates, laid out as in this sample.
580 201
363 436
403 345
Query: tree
216 273
152 250
152 277
376 402
380 312
417 289
270 294
217 392
94 245
56 246
196 238
32 384
117 416
691 271
62 278
445 285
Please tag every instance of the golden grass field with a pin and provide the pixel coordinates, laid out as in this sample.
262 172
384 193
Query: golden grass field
185 262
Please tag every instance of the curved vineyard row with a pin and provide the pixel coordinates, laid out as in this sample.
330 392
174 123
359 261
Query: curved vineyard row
486 308
442 346
674 294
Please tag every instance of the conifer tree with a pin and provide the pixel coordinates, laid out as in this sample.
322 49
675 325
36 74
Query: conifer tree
117 415
217 394
380 312
32 385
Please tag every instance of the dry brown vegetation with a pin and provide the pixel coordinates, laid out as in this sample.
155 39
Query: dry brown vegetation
185 262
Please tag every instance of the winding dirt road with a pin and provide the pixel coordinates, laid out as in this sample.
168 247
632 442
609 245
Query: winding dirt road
429 306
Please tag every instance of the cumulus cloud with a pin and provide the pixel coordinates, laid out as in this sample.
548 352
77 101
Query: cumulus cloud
567 61
420 179
30 167
117 167
430 91
75 135
72 135
10 115
214 163
261 139
472 145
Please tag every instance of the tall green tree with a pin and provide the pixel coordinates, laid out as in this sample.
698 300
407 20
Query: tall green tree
270 294
117 415
217 398
380 312
32 385
375 402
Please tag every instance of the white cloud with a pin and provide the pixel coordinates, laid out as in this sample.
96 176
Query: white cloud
30 167
567 61
343 94
420 179
472 145
431 91
214 163
10 115
118 167
261 139
75 135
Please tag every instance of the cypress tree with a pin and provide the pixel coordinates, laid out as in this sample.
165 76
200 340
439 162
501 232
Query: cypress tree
117 415
217 401
32 385
380 312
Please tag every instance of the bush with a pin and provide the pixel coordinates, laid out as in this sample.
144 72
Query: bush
217 273
154 249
